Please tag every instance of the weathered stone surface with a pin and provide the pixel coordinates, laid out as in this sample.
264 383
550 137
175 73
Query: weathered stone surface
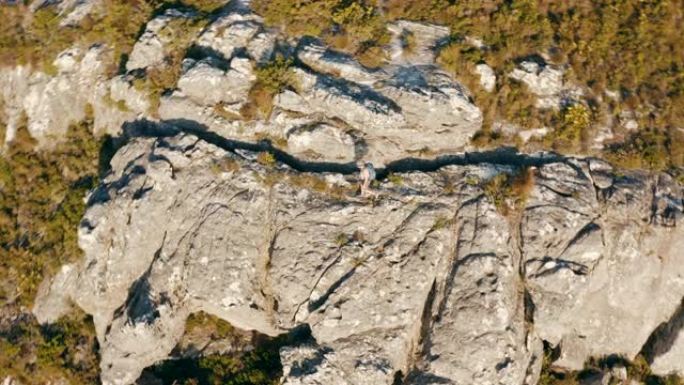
431 283
451 118
73 11
156 42
237 30
325 60
668 349
329 142
480 333
487 76
589 254
52 103
54 294
390 117
546 82
206 85
416 43
388 254
385 108
428 283
408 107
310 365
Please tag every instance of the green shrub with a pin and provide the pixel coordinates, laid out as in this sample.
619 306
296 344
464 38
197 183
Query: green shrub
356 27
276 75
259 366
572 130
272 78
395 179
205 6
318 184
41 204
266 159
216 327
66 350
646 149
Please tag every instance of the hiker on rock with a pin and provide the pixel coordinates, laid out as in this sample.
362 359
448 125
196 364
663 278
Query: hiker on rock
366 176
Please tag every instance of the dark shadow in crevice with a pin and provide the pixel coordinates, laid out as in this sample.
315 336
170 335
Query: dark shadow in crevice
664 336
501 156
213 57
259 364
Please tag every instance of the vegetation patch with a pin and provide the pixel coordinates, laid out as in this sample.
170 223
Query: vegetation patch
266 159
41 205
637 371
395 179
650 148
225 164
66 350
258 365
508 192
177 34
631 48
272 78
36 38
572 132
320 185
355 27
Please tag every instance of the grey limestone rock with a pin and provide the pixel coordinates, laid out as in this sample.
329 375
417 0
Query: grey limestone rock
416 43
546 82
52 103
153 46
430 284
237 30
487 76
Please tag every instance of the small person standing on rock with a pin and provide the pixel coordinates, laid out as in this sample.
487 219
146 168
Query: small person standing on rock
366 176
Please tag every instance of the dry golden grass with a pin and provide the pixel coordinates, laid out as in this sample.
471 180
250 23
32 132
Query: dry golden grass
259 103
509 192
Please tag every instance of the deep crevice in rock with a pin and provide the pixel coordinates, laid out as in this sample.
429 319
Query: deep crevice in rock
262 361
663 337
501 156
140 306
317 303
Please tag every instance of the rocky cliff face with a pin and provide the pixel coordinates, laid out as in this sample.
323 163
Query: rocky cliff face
434 280
429 282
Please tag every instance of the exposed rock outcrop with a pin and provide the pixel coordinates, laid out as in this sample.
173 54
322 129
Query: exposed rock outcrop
52 103
383 110
487 76
546 82
156 42
431 283
378 115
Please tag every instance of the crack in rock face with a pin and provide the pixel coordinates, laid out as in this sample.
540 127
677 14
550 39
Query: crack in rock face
428 282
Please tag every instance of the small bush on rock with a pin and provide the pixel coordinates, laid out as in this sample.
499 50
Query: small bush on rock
272 78
509 192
